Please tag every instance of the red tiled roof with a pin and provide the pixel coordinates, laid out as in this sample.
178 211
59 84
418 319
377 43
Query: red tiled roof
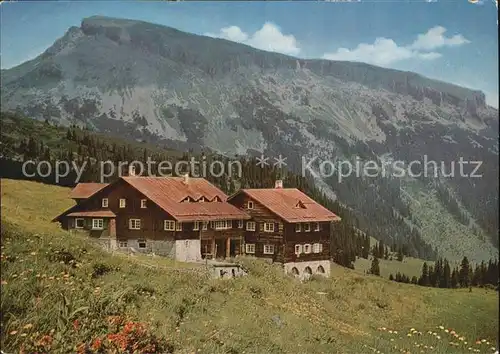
284 203
208 211
85 190
168 193
96 213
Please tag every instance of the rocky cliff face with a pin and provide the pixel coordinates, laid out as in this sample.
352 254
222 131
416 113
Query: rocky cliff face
159 84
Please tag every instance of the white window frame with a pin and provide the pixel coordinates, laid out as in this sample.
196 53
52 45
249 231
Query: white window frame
201 200
250 225
250 248
122 244
168 225
240 224
100 224
178 226
76 223
204 225
268 227
317 248
222 224
134 224
144 203
105 202
298 227
250 204
307 227
307 248
196 226
298 249
268 249
123 202
316 226
142 241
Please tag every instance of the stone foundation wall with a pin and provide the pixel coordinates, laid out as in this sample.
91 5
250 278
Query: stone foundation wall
300 269
188 250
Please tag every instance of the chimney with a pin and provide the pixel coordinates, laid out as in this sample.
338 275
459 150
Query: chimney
186 178
131 171
278 184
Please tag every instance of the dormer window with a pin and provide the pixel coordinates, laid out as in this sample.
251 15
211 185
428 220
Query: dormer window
201 200
216 199
300 205
250 205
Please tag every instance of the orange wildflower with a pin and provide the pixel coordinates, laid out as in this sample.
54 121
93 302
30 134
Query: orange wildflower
96 345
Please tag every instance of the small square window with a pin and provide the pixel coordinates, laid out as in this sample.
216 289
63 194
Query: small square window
134 224
317 248
104 202
144 203
250 248
250 225
307 227
297 227
141 244
250 205
268 249
123 203
169 225
97 224
79 223
307 248
196 226
269 227
122 244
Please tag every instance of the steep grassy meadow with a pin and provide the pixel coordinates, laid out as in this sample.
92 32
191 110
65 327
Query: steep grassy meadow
61 293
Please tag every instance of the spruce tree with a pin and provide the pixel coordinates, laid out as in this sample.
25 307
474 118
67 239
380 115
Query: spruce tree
464 273
446 282
454 278
375 267
424 278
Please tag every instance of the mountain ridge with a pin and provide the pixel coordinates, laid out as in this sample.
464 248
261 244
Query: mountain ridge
154 83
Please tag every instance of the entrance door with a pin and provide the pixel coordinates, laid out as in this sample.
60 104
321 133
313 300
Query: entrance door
220 248
234 248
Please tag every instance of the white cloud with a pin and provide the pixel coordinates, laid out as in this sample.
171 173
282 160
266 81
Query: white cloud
385 51
269 38
382 52
435 38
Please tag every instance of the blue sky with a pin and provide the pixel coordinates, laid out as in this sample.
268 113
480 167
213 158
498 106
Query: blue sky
454 41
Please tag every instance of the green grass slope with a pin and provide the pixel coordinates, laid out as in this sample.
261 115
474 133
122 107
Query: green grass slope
440 229
61 294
